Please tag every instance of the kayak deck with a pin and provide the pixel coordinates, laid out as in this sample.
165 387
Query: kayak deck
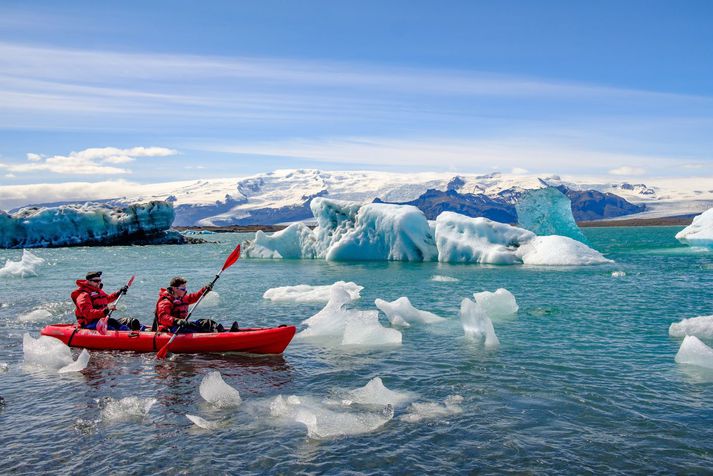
272 340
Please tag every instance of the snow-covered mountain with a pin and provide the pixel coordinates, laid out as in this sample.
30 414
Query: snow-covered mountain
283 196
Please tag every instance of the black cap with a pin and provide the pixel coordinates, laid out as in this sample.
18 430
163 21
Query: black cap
93 274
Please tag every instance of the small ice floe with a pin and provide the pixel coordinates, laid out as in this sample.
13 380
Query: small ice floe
38 315
215 391
25 268
78 365
444 279
335 324
211 299
53 354
306 293
695 352
618 274
375 393
127 408
477 325
329 421
203 423
701 327
85 427
4 367
501 303
402 313
427 411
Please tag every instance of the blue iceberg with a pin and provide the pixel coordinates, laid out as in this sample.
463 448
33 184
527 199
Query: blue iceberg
547 211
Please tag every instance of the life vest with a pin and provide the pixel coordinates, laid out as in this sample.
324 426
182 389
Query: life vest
98 298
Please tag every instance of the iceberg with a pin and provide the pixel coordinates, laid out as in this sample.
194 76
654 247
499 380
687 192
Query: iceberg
78 365
87 224
402 313
701 327
477 325
306 293
461 239
215 391
364 329
699 232
547 211
25 268
501 303
46 351
694 352
349 231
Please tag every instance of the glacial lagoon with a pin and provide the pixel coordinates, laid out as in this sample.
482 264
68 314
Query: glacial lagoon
584 378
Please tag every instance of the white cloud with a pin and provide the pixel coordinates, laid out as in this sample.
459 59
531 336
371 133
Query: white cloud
627 170
519 171
10 175
90 161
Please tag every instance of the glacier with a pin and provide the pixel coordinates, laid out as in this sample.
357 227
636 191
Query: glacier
547 211
351 231
699 232
88 224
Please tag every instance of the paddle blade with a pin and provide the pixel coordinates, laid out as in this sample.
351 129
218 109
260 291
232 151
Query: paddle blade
131 281
232 258
161 354
102 325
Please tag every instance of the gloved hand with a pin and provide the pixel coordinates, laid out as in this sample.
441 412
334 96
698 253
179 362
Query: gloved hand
124 289
208 287
180 322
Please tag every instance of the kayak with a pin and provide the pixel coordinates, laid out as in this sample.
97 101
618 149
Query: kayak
272 340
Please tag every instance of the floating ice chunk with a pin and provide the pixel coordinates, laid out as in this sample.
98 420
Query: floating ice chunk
476 324
125 409
306 293
364 329
38 315
211 299
332 319
25 268
46 352
501 303
559 251
618 274
547 211
444 279
699 232
376 393
401 310
294 242
4 367
202 422
214 390
426 411
695 352
701 327
78 365
324 422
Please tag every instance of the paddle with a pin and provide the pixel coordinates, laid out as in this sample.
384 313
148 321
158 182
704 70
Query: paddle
228 263
102 324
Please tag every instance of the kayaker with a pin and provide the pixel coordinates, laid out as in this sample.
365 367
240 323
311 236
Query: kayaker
92 303
172 309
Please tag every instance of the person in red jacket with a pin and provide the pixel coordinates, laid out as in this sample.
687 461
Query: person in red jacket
92 303
172 309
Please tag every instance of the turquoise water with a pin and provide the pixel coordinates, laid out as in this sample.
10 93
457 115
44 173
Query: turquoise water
584 379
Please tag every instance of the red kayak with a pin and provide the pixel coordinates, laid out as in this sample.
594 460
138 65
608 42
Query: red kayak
256 341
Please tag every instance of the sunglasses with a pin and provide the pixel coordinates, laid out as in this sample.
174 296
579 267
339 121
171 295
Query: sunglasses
182 288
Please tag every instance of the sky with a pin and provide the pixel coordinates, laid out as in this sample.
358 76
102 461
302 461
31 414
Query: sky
161 91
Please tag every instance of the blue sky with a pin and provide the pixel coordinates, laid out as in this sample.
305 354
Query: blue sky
161 91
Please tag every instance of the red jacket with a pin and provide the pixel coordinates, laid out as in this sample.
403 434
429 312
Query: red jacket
169 307
91 302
